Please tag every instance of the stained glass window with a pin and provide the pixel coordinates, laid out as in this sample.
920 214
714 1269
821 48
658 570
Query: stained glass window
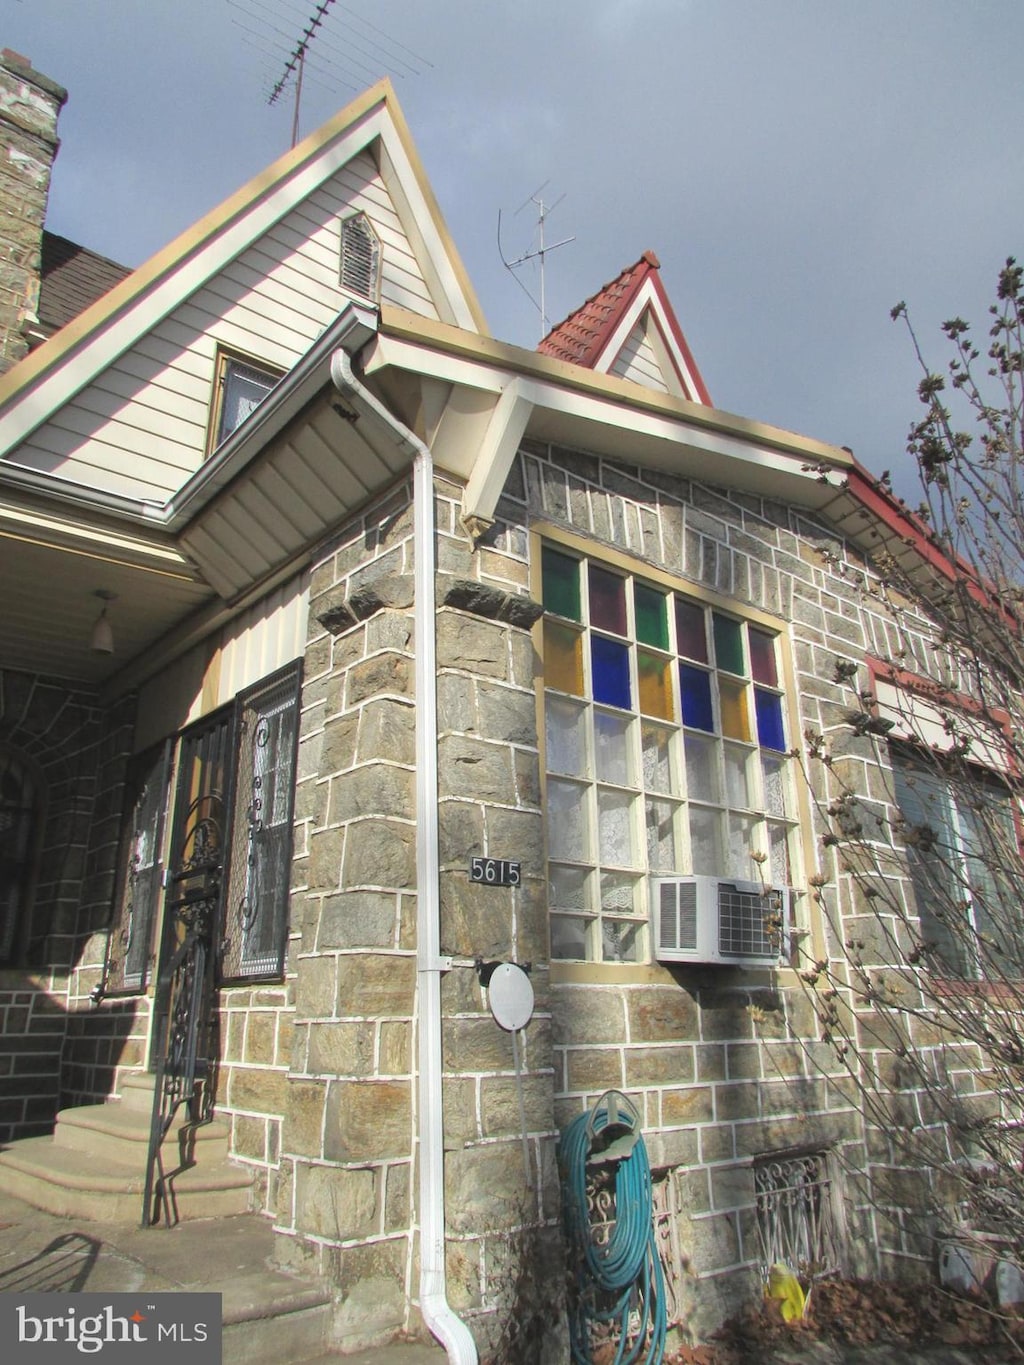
607 601
651 616
610 661
665 739
561 576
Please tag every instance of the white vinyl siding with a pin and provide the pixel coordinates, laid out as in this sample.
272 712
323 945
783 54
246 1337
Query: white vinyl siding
638 361
141 428
257 642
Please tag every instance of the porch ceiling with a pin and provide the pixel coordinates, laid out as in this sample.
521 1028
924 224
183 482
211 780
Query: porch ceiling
48 607
297 483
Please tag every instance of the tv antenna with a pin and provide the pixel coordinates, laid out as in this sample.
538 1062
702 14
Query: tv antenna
297 62
538 253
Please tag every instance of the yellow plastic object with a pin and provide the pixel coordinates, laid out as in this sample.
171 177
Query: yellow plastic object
784 1286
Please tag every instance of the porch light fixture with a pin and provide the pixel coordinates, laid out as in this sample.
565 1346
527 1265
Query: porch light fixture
102 640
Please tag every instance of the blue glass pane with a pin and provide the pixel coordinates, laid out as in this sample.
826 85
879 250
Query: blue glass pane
695 688
610 661
770 732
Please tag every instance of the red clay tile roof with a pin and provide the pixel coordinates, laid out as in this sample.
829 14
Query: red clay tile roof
72 277
582 336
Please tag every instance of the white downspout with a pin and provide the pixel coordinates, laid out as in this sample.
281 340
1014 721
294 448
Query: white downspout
447 1327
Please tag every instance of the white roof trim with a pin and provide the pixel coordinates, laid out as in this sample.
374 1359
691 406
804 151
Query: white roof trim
409 190
605 424
36 404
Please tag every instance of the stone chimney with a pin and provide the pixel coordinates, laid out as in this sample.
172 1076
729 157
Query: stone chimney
29 106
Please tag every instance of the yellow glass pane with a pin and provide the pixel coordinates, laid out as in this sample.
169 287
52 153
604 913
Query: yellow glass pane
655 686
735 713
563 658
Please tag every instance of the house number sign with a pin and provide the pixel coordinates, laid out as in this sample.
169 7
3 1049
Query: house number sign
494 871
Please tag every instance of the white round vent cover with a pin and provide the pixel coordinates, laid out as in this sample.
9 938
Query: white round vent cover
510 996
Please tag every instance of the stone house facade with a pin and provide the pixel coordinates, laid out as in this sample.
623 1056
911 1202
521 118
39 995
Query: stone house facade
428 601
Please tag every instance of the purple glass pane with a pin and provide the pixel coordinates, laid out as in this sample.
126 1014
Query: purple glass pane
607 601
691 636
762 657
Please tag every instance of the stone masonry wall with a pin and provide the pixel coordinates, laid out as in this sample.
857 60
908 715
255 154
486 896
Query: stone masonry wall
505 1255
726 1067
29 106
255 1052
345 1197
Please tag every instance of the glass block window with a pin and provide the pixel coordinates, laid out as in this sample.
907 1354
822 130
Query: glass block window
666 751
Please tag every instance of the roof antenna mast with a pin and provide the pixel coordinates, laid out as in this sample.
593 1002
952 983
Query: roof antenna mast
538 253
297 61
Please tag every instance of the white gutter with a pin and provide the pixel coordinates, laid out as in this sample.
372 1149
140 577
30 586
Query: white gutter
447 1327
353 327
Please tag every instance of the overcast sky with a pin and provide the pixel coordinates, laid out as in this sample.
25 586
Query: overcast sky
798 166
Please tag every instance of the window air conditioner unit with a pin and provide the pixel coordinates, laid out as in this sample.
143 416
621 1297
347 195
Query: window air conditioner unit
717 919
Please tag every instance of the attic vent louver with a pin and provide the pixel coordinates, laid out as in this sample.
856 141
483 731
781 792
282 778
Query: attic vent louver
360 257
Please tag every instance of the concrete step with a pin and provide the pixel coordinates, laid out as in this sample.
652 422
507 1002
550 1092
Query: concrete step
69 1181
291 1326
113 1132
135 1090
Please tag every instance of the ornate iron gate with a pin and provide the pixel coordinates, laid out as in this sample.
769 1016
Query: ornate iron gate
185 1024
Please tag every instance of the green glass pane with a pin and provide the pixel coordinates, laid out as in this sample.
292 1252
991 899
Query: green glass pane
560 576
651 616
728 644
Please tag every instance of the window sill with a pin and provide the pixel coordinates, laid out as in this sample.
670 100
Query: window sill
657 974
979 989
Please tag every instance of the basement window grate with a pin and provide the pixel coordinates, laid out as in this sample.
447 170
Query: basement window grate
666 1210
798 1214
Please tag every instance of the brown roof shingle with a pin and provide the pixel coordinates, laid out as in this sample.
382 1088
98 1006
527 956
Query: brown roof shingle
71 278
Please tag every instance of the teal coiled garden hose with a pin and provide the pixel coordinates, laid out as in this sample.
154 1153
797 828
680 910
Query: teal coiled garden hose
619 1282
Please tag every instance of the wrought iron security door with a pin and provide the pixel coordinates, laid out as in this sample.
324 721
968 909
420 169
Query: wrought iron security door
185 1025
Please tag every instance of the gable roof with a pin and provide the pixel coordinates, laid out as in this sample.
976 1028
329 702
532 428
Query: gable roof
630 312
71 278
52 374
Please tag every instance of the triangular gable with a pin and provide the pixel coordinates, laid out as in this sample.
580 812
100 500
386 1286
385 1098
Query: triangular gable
139 342
629 329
